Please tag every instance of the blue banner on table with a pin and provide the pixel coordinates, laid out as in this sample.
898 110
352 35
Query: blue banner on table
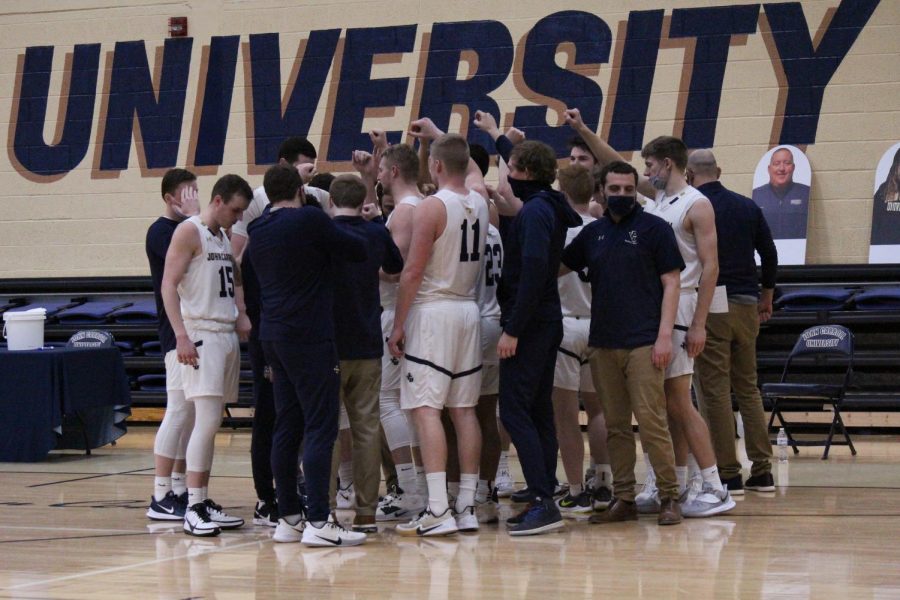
885 244
781 189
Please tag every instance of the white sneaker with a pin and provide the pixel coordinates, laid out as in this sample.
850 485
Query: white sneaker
346 498
504 484
287 533
708 502
648 500
467 521
331 534
428 524
198 522
221 519
399 507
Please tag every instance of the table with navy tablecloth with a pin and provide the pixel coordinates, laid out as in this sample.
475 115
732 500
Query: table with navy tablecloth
60 398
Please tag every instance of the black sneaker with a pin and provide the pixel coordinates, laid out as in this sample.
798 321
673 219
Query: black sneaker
521 496
542 517
601 498
518 518
266 513
167 509
570 505
734 484
760 483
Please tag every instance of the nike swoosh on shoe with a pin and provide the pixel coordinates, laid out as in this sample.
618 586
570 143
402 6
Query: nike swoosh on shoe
336 543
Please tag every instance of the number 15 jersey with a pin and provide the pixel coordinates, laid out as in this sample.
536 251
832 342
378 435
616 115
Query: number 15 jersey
207 288
454 267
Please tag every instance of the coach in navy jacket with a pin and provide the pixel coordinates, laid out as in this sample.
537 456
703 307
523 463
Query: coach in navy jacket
532 324
293 250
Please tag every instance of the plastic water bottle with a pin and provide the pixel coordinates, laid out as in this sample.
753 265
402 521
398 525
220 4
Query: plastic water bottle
782 442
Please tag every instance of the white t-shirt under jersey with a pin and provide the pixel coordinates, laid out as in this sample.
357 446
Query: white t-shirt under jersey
388 289
674 210
260 201
455 263
575 294
489 278
207 288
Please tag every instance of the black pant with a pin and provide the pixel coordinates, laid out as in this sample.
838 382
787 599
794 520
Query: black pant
263 425
307 387
526 405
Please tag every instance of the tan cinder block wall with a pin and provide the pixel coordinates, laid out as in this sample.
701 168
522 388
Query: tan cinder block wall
90 223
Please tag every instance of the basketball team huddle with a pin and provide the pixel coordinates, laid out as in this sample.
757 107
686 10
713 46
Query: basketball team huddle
414 317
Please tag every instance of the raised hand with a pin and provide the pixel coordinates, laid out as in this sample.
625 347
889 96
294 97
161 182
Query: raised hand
424 129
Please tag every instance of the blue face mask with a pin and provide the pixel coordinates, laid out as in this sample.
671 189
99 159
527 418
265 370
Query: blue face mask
523 189
620 206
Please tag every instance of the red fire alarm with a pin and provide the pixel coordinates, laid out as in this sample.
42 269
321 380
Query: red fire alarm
178 27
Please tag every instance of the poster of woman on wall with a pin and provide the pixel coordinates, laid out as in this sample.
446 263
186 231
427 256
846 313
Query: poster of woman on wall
781 189
885 245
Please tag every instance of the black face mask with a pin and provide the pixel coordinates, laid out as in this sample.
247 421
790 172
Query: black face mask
523 189
620 206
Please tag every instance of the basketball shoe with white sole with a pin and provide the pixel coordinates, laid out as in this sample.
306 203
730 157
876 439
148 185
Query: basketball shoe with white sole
169 508
286 533
220 518
331 534
198 522
399 507
427 524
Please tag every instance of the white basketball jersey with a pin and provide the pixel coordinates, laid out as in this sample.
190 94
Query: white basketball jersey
674 209
207 288
489 279
575 293
455 263
388 289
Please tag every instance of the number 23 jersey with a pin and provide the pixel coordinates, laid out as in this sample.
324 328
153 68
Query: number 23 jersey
207 288
454 267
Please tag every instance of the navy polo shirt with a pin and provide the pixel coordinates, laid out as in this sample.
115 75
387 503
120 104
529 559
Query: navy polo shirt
625 261
357 302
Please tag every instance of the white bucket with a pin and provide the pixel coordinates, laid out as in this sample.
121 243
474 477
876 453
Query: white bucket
24 330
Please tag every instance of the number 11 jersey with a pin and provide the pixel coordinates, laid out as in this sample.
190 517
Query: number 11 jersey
454 267
207 288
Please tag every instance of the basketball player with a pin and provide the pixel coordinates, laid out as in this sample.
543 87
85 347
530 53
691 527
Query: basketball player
437 329
397 173
573 374
486 297
693 220
292 249
204 302
169 500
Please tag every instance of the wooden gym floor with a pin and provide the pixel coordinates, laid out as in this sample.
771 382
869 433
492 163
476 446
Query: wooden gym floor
74 527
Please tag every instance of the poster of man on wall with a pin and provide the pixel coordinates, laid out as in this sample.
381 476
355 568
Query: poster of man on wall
885 244
781 189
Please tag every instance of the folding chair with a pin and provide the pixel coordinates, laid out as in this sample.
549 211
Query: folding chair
831 344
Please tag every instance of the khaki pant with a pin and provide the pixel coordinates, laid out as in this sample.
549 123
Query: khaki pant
729 363
628 383
360 385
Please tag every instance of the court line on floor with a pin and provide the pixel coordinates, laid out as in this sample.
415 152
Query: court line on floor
90 477
75 537
98 530
145 563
